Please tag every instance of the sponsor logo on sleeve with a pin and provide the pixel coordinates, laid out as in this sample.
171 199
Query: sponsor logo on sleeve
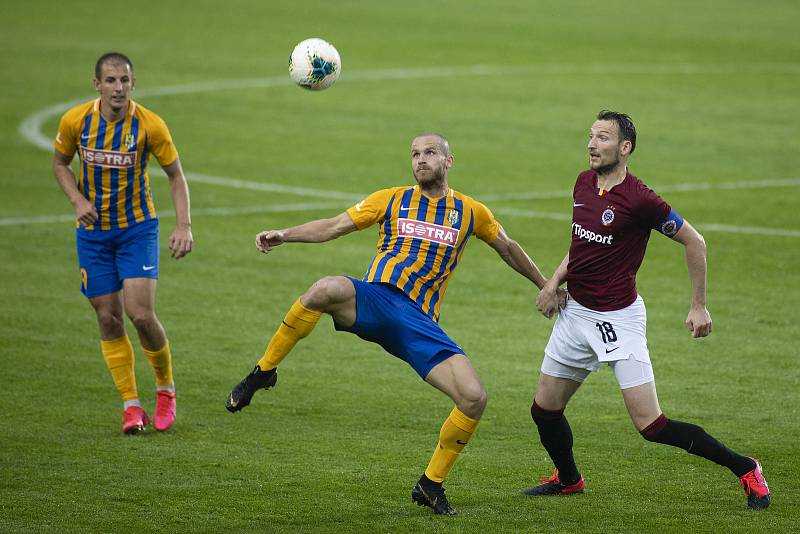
427 232
108 158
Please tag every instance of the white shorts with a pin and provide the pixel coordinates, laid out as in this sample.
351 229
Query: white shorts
582 339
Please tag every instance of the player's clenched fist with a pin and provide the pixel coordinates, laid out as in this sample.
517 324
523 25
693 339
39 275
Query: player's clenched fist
699 322
268 239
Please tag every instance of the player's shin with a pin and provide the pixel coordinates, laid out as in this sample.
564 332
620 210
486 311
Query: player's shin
454 435
556 436
298 323
695 440
161 362
118 354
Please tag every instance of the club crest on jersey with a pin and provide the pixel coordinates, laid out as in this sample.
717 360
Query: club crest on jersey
608 216
130 141
452 217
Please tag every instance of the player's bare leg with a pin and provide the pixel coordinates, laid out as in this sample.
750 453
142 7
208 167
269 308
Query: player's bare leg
334 295
456 378
551 398
139 296
118 354
642 404
140 304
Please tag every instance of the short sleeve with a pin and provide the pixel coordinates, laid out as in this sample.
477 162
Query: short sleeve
370 210
160 142
66 136
486 226
652 208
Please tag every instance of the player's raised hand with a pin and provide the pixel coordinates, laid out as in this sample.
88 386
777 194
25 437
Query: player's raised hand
266 240
85 212
180 242
699 322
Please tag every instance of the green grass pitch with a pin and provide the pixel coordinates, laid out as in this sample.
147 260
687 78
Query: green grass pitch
337 446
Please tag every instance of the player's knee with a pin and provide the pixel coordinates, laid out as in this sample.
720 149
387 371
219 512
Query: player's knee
144 320
326 291
474 402
541 415
652 431
111 324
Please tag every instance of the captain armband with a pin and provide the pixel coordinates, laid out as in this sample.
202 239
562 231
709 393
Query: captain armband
670 226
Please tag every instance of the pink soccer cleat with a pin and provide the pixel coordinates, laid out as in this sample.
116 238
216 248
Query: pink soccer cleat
165 410
755 487
134 420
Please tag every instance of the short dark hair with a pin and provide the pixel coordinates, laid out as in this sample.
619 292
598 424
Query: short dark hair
111 57
626 128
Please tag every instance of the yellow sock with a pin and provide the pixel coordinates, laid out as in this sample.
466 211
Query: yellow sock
118 354
454 435
161 361
297 324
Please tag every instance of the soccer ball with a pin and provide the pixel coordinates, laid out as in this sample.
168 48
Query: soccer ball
314 64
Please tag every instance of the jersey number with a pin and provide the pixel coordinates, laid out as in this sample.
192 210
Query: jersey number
607 332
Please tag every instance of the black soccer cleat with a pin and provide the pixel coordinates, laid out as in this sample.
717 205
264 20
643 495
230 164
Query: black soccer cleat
554 486
432 497
241 394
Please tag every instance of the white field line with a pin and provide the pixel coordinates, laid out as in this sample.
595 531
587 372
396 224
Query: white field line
311 206
672 188
273 208
705 227
30 129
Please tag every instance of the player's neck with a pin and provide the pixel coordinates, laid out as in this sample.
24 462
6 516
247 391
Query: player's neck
435 190
113 115
611 177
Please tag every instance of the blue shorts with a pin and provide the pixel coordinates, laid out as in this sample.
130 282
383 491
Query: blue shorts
107 257
386 316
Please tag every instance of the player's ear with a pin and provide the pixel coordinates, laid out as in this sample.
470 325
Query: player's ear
625 147
96 83
449 161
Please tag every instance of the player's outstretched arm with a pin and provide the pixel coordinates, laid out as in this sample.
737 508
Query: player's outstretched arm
84 210
514 255
317 231
699 320
181 240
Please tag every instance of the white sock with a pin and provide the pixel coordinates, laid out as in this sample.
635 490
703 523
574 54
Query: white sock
168 387
128 404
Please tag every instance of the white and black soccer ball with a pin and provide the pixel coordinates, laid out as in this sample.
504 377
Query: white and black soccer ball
315 64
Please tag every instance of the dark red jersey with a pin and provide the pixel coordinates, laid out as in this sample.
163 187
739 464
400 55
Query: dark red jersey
609 238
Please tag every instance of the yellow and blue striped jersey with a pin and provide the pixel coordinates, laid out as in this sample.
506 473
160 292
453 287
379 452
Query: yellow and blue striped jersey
420 240
114 160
